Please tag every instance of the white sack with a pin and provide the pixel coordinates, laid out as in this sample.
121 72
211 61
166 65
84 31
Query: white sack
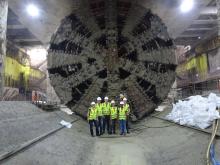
198 111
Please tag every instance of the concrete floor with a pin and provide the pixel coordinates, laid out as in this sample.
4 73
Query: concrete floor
21 121
168 144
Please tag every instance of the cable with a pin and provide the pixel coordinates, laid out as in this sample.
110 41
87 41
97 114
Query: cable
146 126
26 145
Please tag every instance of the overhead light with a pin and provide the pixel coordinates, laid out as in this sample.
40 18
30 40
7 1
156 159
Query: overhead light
186 5
32 10
199 37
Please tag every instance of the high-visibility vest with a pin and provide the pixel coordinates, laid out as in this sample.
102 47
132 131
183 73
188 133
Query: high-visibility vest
99 107
92 113
122 113
127 108
114 112
106 108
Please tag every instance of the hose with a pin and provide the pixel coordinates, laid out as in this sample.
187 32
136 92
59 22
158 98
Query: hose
210 150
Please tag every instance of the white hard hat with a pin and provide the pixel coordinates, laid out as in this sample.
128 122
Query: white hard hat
121 103
93 103
125 99
106 98
112 101
99 98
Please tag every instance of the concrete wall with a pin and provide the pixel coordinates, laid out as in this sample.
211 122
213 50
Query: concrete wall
3 27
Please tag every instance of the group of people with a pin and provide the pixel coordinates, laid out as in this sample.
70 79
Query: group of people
104 116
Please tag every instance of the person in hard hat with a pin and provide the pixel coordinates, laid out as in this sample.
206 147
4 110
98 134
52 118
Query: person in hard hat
127 108
122 118
92 119
99 107
114 116
121 96
106 114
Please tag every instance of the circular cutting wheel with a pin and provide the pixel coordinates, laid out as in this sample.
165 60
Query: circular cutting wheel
108 47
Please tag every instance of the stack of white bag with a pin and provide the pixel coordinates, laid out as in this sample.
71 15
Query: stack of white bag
198 111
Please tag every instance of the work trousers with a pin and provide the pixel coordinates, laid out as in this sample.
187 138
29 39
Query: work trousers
91 123
127 127
100 124
122 126
113 125
106 123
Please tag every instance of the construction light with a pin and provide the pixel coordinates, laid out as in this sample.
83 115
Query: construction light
32 10
186 5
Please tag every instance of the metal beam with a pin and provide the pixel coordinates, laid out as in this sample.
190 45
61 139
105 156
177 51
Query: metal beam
25 40
199 29
15 27
207 17
209 10
202 26
194 32
189 35
210 21
21 37
29 43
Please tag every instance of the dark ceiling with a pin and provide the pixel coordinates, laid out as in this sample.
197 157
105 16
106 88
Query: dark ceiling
199 28
19 34
204 27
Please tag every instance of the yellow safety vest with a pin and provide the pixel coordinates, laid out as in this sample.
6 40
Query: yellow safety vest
122 113
127 108
99 109
106 108
114 112
92 114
